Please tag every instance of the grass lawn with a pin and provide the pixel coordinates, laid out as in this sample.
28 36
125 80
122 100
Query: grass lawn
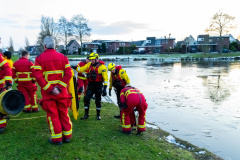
26 137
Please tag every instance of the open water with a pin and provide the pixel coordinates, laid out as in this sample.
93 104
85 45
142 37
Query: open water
195 101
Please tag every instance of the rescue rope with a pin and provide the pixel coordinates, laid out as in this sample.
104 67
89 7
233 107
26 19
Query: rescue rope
26 118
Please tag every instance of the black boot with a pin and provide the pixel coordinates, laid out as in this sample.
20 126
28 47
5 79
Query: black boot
139 133
2 130
85 115
98 115
118 116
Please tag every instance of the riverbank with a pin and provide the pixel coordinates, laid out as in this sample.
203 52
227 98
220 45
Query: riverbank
165 57
93 139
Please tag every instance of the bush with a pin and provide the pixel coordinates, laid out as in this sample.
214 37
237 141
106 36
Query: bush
233 48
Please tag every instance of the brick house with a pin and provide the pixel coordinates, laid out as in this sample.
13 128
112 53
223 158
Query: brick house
112 46
211 43
92 46
73 46
155 45
204 43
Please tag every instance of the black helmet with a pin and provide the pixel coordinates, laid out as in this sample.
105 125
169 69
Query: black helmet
8 54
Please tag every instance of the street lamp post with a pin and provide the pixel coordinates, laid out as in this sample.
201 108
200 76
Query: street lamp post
169 43
186 46
123 48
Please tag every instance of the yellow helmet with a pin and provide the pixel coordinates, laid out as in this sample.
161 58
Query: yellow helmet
111 67
93 56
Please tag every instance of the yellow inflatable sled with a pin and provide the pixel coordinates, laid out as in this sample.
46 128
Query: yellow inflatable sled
72 88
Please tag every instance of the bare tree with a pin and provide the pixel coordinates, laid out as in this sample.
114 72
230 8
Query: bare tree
221 24
11 47
65 29
26 43
238 37
48 28
80 28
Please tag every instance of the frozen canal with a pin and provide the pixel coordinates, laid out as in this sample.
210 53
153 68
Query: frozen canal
195 101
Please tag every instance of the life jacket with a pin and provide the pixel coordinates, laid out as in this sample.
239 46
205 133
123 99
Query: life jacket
93 75
116 79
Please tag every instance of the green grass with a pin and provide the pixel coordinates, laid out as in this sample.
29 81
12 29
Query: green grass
26 137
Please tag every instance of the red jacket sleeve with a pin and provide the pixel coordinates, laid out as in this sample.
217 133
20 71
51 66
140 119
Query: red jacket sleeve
67 74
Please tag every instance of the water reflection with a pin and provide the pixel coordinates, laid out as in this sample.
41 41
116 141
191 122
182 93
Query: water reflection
197 102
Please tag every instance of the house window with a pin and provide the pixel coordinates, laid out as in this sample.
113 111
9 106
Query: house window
217 39
74 46
148 41
157 43
210 40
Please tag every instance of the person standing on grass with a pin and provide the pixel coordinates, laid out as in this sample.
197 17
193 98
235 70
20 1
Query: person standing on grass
23 70
97 83
53 73
5 83
132 99
118 79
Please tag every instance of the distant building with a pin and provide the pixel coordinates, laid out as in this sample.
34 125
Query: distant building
189 44
34 50
112 46
212 43
203 43
73 46
155 45
92 46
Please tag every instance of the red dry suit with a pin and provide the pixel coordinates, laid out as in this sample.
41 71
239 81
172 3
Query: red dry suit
53 69
22 71
5 77
130 98
82 81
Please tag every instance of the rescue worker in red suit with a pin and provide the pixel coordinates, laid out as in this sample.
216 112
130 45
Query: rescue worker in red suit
132 99
118 79
22 71
53 73
82 79
97 83
5 83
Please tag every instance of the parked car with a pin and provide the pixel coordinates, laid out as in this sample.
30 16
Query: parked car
193 50
225 51
85 53
135 52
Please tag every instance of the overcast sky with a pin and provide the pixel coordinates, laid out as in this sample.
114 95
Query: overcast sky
115 19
